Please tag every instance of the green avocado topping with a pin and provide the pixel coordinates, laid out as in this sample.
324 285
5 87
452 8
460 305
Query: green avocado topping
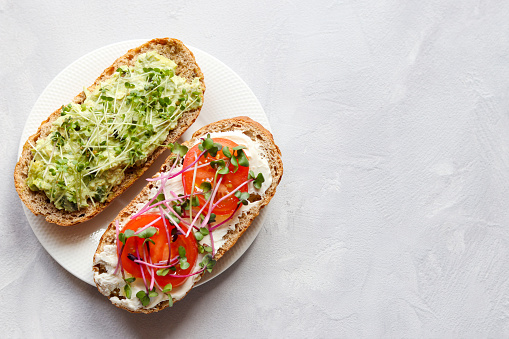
120 123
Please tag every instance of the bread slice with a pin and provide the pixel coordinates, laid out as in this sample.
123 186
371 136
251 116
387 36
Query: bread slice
255 132
38 202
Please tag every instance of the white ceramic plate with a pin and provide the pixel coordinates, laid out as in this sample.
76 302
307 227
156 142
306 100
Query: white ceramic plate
227 96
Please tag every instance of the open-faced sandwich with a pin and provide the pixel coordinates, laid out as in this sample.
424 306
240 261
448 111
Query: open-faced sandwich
91 150
203 199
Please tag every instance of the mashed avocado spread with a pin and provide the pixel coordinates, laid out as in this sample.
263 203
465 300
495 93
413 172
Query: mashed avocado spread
120 123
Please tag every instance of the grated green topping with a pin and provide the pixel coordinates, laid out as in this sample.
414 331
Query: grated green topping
120 123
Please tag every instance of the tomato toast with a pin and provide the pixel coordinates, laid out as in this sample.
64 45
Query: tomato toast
203 199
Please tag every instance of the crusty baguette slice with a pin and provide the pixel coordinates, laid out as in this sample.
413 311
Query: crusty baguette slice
37 201
250 128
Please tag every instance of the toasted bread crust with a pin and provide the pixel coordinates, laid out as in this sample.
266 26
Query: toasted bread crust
253 130
37 201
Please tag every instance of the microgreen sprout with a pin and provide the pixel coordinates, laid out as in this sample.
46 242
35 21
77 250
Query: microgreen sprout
144 298
242 158
183 259
258 180
206 188
209 146
237 157
220 166
127 291
127 287
212 218
125 235
167 288
178 148
160 197
153 293
163 272
226 152
147 233
198 236
208 263
243 197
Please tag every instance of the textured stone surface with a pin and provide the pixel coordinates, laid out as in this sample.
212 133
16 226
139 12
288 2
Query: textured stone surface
392 218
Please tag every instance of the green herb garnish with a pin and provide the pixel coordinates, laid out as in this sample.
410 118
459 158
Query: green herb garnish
243 197
144 298
208 263
258 180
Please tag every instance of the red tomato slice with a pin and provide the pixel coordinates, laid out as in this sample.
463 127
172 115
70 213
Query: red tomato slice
206 174
159 251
